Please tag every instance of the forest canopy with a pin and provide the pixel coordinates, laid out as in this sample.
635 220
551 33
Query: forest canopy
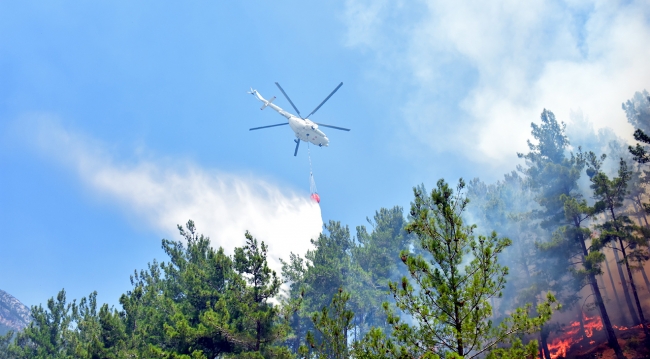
472 270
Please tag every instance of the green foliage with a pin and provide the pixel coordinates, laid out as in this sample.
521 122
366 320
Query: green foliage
508 207
554 177
450 286
329 265
548 171
215 305
49 335
293 273
5 341
637 110
257 314
610 194
639 152
201 304
100 335
516 351
70 330
376 260
315 279
375 345
332 324
361 266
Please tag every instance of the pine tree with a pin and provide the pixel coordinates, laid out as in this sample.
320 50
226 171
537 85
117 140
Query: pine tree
328 266
258 315
190 306
293 273
332 324
376 261
451 284
50 334
610 195
5 342
316 278
509 208
554 177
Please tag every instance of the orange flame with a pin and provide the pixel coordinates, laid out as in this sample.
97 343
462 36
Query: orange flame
591 324
623 328
559 347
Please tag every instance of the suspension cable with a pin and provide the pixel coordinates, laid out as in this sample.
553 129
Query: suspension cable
309 155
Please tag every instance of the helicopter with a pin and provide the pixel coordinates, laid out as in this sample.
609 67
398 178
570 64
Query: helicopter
305 129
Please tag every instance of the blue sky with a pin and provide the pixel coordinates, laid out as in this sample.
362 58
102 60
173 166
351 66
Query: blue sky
119 120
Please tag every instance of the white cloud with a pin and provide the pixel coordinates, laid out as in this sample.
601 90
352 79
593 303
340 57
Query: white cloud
164 194
494 65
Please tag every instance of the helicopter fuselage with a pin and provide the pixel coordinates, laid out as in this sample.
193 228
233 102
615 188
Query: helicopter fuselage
308 131
305 130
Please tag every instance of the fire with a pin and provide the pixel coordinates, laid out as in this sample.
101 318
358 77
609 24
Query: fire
623 328
571 335
574 327
591 324
561 345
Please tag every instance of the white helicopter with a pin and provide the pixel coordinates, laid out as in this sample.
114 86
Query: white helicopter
304 128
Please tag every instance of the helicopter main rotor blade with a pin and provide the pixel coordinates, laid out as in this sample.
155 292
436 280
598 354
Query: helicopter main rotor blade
297 145
325 100
334 127
287 96
259 128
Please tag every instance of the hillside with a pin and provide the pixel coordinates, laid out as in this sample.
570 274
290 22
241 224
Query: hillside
14 315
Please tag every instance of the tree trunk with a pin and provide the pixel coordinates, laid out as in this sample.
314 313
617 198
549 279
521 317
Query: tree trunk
601 284
618 300
626 292
544 333
638 215
611 335
259 336
645 277
345 343
642 211
298 332
636 295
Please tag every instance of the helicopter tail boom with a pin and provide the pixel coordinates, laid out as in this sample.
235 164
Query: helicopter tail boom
269 103
266 103
259 97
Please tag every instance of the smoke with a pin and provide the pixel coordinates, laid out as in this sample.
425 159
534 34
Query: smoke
478 72
164 193
508 207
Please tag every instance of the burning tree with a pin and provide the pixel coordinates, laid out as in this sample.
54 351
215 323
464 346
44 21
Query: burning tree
509 207
554 177
610 195
572 238
451 283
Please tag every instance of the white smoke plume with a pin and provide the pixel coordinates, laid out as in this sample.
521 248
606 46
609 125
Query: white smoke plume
478 73
163 194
